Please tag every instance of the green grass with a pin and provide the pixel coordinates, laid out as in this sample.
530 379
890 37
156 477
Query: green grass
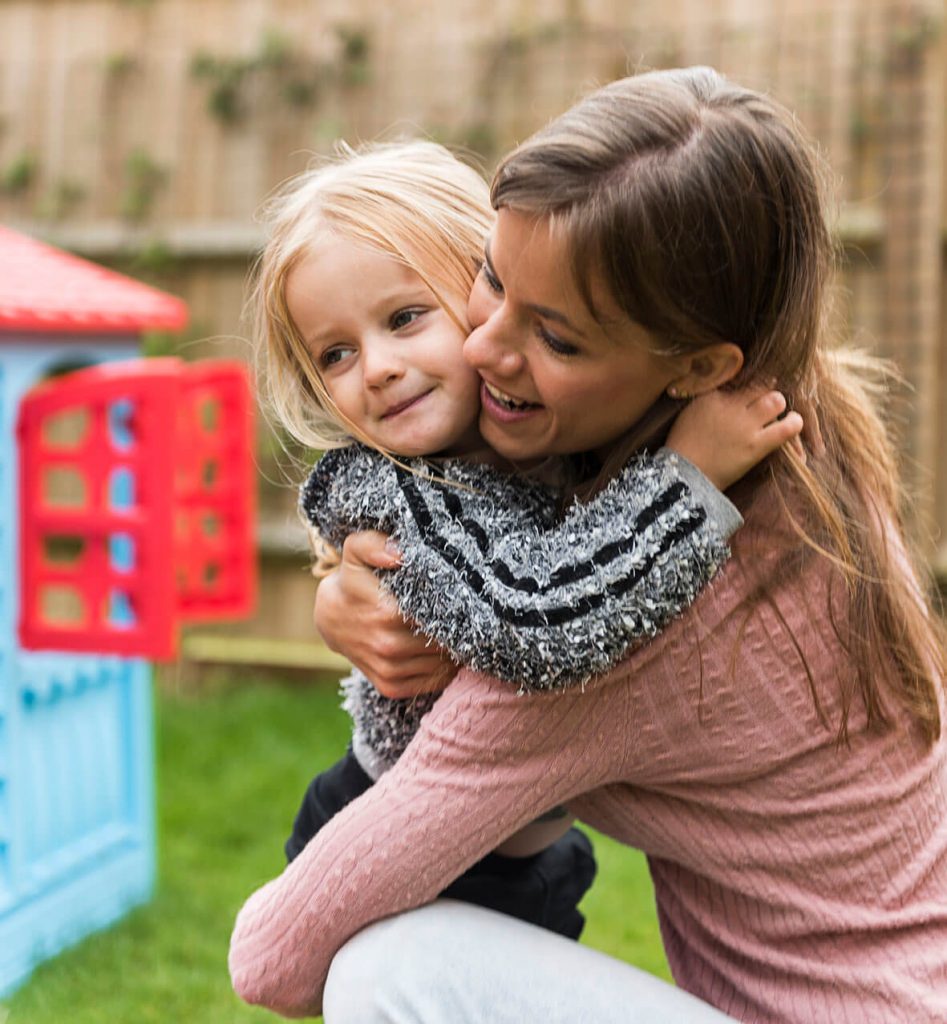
232 766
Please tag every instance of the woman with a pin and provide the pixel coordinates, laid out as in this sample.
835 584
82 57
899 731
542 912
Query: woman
777 751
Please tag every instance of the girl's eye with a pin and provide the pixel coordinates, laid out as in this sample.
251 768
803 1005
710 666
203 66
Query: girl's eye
491 279
554 344
404 318
334 356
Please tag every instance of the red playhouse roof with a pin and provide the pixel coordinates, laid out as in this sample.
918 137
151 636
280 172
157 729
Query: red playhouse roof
46 289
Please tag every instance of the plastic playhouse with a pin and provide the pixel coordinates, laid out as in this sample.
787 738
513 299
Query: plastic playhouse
125 510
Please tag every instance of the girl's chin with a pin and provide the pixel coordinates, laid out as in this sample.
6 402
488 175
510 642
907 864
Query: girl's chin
443 446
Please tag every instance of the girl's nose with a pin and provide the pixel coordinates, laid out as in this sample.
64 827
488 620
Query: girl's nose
492 349
380 364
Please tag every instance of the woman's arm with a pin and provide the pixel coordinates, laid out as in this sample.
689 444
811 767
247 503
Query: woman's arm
484 764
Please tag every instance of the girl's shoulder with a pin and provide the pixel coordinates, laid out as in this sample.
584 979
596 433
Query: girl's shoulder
358 485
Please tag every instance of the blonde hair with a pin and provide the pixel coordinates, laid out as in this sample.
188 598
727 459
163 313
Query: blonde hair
413 201
700 204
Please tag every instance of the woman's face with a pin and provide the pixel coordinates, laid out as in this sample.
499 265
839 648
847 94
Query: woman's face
555 380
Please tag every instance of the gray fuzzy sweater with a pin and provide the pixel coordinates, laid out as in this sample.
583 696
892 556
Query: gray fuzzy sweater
493 575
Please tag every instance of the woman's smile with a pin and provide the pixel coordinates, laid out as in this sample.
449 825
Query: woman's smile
504 405
556 378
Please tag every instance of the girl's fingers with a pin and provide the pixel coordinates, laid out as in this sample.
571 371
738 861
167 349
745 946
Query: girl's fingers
768 405
754 392
792 423
779 431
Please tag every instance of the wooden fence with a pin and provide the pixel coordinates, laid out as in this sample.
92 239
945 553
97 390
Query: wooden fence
146 132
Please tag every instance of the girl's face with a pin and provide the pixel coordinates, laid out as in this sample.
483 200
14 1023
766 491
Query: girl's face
556 380
389 355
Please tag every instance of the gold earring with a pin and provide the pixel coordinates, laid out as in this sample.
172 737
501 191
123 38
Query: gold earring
675 392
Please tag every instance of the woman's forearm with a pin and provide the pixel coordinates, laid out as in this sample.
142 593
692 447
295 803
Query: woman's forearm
484 764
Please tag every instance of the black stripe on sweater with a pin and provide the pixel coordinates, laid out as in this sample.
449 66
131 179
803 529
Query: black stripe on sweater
571 573
454 508
561 614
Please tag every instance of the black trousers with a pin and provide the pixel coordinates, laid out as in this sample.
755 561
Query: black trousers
544 889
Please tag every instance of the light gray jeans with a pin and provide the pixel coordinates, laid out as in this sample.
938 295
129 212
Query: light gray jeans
453 963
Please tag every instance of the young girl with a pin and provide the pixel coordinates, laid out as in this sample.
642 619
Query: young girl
360 299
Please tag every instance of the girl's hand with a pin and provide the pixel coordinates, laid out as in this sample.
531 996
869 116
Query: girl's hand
726 433
360 621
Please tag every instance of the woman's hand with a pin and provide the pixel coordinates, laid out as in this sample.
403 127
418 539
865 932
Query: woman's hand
363 623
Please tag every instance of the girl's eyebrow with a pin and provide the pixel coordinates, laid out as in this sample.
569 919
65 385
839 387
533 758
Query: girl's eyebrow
409 293
545 312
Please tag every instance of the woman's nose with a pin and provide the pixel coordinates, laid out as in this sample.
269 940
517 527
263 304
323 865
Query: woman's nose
490 347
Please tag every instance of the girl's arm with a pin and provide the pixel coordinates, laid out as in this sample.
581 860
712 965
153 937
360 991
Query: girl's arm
726 433
487 575
550 606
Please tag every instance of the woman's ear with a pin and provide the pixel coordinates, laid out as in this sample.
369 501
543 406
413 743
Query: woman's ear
706 370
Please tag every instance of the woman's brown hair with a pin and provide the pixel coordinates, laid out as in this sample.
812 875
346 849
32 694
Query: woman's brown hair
700 204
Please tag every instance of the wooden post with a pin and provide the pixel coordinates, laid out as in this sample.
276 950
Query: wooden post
913 250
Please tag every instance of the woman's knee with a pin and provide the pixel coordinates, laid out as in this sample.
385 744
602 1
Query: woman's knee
354 976
383 973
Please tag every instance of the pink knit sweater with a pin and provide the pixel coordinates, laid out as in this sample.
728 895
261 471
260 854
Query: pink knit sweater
795 881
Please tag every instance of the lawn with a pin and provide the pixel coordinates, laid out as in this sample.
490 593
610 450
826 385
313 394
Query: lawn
232 764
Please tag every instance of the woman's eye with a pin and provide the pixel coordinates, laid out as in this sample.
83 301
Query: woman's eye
491 279
404 317
556 345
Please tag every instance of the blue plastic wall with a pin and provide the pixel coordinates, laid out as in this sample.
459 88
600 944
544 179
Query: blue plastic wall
77 833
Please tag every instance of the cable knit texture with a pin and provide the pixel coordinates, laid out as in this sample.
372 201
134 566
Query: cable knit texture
490 574
796 881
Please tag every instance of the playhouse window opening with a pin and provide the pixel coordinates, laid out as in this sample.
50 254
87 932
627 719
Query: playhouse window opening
121 488
209 473
61 605
121 424
182 526
208 413
122 552
120 610
67 429
63 550
64 487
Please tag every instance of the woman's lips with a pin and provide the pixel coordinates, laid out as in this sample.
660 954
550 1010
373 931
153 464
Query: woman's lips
494 404
396 410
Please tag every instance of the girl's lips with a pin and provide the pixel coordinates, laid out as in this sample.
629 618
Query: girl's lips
496 410
396 410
